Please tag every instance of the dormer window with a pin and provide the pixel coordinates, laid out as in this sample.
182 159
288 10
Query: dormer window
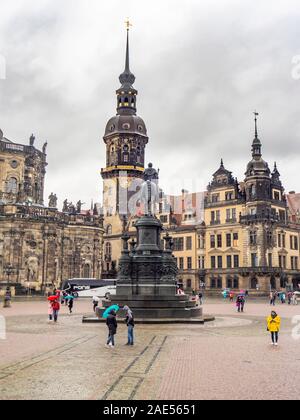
215 198
126 126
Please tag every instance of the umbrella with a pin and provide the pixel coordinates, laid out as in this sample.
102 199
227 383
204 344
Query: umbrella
69 297
52 298
108 310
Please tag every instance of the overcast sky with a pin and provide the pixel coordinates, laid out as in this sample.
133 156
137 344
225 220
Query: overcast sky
202 68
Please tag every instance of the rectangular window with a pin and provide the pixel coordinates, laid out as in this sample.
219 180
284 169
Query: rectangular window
228 214
212 241
189 263
233 214
280 261
282 215
229 195
181 263
188 243
218 218
283 261
270 260
212 216
228 240
254 260
236 259
253 237
276 195
220 261
178 244
279 240
229 261
219 241
235 239
213 262
215 198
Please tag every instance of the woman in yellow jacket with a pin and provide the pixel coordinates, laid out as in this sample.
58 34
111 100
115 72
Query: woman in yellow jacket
273 322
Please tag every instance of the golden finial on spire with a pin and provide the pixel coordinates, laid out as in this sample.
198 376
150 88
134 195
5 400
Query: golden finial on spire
128 24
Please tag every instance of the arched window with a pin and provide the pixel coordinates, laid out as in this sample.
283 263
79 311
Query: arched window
229 282
86 271
254 283
236 282
109 230
108 248
12 186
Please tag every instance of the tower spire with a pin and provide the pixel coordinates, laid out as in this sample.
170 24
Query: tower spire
256 145
127 93
256 131
128 26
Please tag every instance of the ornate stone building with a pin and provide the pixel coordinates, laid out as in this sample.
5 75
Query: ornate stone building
249 236
40 246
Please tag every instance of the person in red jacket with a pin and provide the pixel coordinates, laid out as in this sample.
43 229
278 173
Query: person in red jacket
55 308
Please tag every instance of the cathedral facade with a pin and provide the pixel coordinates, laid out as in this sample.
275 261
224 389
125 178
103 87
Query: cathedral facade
40 247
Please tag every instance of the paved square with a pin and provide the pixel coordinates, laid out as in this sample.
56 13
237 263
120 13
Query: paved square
230 358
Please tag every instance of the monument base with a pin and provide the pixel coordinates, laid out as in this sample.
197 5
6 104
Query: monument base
155 307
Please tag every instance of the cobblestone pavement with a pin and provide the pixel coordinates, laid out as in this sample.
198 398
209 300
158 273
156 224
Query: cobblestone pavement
230 358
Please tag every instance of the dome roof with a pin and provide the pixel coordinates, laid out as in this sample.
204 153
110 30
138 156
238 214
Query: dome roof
257 167
126 124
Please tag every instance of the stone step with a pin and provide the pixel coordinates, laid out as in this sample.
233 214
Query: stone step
167 298
200 320
149 304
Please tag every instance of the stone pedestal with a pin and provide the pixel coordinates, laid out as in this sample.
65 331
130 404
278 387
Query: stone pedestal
147 278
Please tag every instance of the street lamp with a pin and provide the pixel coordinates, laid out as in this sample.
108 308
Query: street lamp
8 270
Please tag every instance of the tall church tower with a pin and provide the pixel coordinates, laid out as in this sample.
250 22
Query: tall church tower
125 138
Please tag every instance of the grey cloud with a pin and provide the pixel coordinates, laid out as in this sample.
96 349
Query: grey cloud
201 67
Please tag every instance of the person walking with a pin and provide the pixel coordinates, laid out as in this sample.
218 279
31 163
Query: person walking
130 324
71 305
200 298
290 296
55 310
294 299
231 296
50 311
240 303
273 326
112 326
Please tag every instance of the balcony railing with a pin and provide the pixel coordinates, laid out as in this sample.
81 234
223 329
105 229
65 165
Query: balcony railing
250 218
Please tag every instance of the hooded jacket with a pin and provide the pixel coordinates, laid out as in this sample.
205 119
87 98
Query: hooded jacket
274 323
